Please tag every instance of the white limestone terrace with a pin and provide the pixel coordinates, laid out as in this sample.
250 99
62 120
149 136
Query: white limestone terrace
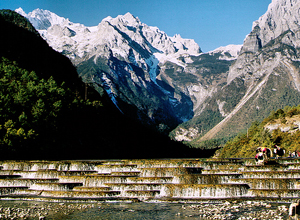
150 180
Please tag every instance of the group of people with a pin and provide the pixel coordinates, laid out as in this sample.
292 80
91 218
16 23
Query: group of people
294 154
264 153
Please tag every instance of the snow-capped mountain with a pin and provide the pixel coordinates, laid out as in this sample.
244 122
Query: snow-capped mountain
110 32
129 60
161 80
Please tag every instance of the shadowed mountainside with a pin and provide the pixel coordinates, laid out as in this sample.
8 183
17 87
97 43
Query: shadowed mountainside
80 129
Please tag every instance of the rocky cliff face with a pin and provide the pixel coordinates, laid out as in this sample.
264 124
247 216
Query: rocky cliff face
280 21
265 75
282 15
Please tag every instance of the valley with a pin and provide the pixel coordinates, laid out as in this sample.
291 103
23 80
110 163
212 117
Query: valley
169 84
122 118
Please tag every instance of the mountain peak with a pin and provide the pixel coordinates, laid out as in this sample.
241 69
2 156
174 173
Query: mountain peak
21 11
151 39
177 36
42 19
281 16
108 18
127 19
129 16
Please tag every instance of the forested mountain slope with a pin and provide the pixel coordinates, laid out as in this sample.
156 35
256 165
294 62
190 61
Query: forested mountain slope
44 114
280 128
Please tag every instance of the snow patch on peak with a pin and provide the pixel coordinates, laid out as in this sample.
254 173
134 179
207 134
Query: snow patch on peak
108 18
130 18
170 58
123 20
229 52
177 37
21 12
185 45
93 28
42 19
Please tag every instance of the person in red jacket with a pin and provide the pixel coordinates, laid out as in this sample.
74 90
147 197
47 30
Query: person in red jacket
266 151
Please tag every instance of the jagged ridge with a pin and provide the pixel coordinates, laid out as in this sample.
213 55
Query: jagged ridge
182 83
128 59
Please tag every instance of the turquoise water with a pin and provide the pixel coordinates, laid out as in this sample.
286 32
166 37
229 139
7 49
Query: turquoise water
136 211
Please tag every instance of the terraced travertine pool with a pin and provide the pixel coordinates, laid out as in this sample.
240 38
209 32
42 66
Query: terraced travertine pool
150 180
164 181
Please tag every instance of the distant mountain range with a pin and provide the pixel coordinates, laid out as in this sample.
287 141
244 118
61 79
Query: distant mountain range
168 83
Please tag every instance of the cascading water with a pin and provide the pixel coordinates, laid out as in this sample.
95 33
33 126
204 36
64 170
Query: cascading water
165 179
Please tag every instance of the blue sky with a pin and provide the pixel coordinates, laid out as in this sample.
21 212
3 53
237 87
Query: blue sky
211 23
